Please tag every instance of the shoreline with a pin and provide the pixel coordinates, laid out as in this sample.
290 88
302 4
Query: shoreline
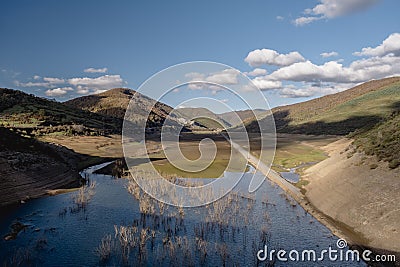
354 239
347 189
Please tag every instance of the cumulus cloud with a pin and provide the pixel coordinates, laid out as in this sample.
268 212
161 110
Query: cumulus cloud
256 72
307 71
228 76
330 77
80 85
260 57
328 9
305 20
94 70
46 82
333 71
265 83
58 91
206 81
53 80
329 54
308 91
101 83
32 84
389 45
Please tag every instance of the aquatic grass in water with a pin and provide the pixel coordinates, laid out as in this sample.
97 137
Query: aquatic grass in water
122 225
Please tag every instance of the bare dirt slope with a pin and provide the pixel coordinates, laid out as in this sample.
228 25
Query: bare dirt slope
359 192
28 168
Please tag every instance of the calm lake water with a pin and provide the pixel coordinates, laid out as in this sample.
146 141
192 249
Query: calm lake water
59 234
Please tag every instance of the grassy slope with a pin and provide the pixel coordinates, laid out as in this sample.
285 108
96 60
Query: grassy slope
339 114
24 111
365 111
383 140
29 167
114 102
316 109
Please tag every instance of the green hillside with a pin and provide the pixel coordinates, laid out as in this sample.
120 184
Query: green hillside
114 102
383 140
360 107
37 116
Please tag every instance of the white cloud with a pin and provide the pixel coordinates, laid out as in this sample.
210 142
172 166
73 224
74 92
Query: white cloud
264 83
332 76
293 92
32 84
82 90
329 54
199 81
389 45
329 9
305 20
228 76
94 70
47 82
260 57
333 71
53 80
307 71
256 72
102 82
82 85
280 18
58 91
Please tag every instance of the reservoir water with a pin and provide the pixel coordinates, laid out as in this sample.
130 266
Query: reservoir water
58 233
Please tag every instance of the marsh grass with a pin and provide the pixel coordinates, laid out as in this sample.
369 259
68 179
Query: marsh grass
81 198
105 248
161 235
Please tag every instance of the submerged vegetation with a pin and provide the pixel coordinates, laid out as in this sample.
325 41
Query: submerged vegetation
167 236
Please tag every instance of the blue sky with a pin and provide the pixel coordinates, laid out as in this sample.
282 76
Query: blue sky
64 49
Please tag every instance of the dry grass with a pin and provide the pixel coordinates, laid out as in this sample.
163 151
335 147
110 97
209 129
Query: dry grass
105 248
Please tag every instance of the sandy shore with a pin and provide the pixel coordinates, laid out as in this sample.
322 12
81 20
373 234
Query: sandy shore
353 201
359 194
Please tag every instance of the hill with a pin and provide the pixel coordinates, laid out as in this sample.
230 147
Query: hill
113 103
203 118
32 115
238 116
357 108
383 140
29 167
